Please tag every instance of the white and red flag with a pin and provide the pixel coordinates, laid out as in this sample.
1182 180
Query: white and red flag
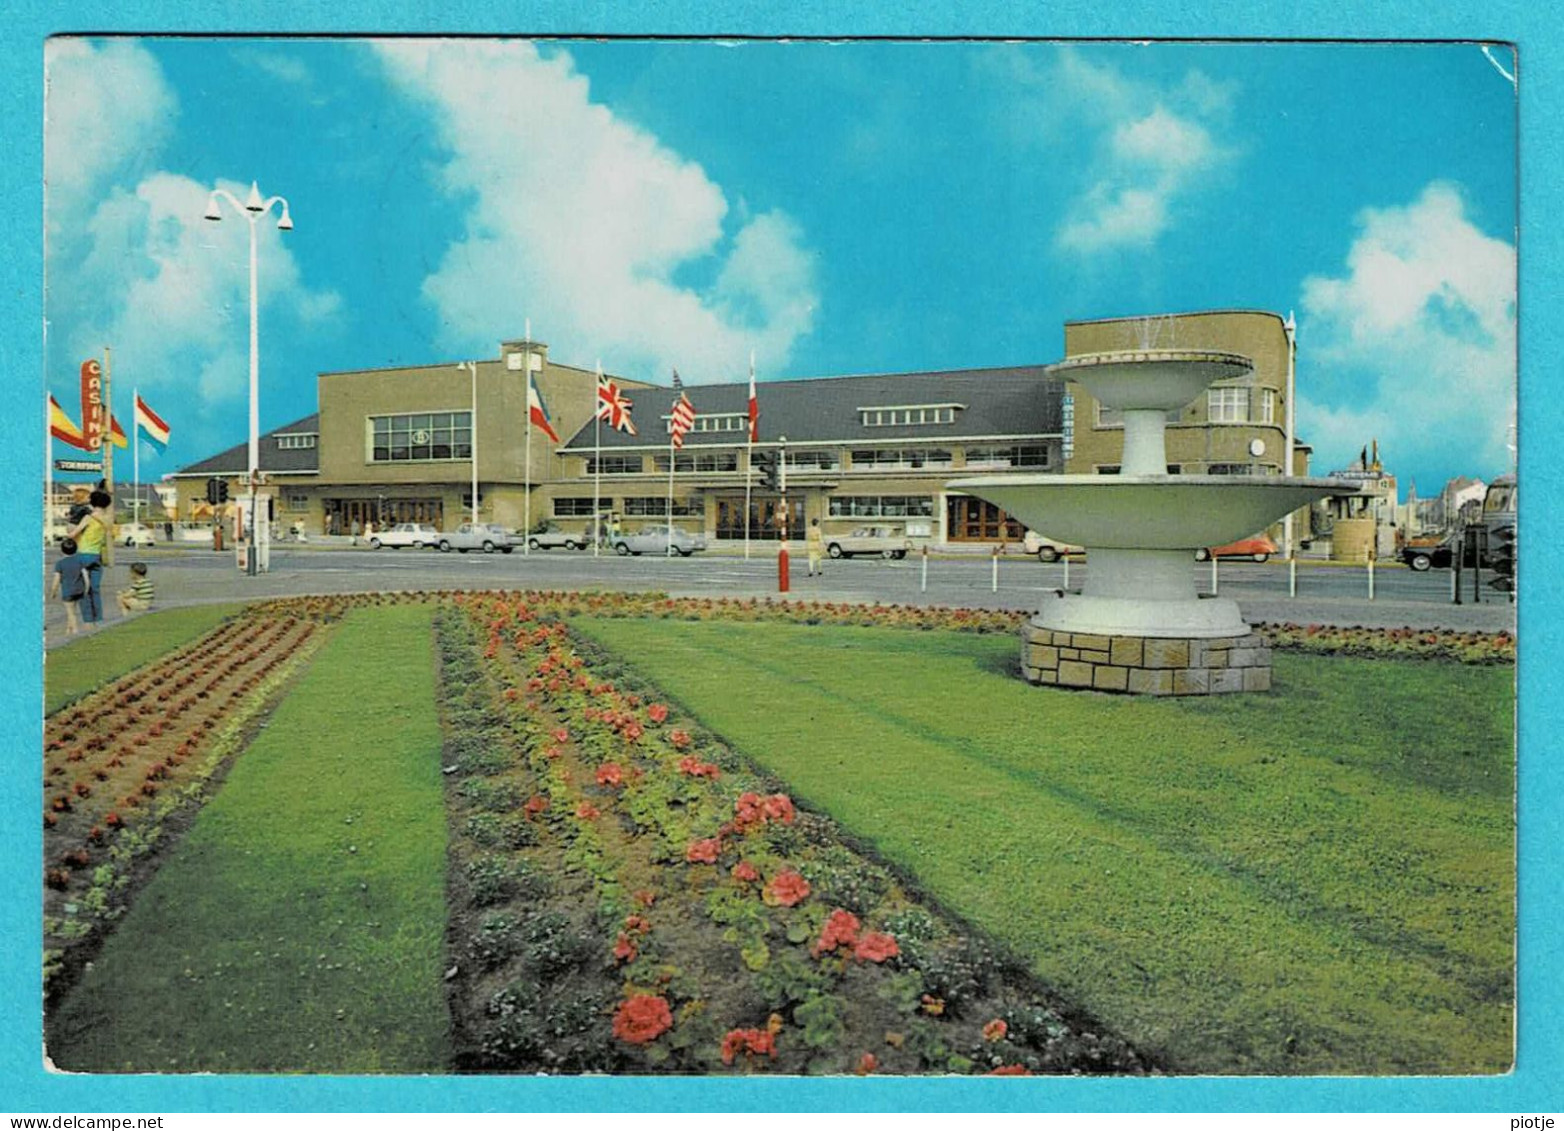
681 420
754 405
614 407
537 410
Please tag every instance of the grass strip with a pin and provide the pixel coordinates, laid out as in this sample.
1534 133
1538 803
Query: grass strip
1316 880
88 662
298 926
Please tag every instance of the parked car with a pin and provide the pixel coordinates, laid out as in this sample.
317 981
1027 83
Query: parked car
553 538
133 534
415 534
485 536
868 540
654 540
1421 556
1046 549
1258 548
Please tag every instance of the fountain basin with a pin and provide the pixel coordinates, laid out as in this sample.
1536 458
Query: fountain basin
1150 379
1149 512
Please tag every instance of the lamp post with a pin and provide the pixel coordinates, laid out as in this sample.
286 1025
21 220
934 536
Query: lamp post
252 210
472 433
1291 329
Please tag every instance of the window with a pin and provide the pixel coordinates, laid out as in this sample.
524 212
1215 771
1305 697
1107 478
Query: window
881 506
904 415
819 459
656 506
615 465
576 506
698 461
294 440
296 501
713 422
1228 406
1267 406
1020 455
420 436
868 459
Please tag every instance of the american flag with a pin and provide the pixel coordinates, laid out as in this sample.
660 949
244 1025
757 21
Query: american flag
614 407
683 416
754 405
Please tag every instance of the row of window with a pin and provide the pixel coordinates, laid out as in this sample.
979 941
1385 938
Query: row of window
714 422
651 506
882 459
881 506
908 414
293 441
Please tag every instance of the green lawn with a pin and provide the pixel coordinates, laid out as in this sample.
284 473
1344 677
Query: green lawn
1320 879
299 925
72 670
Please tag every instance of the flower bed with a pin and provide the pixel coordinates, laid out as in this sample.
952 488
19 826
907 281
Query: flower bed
124 761
628 897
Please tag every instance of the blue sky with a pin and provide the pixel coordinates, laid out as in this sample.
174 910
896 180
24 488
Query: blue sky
834 207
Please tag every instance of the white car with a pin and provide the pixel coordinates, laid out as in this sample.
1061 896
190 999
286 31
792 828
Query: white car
553 538
880 540
1046 549
485 536
654 540
133 534
415 534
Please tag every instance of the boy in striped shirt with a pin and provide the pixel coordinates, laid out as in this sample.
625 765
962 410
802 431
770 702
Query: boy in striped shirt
138 598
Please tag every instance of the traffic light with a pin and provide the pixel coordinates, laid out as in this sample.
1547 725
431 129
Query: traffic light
1501 555
770 464
222 490
211 491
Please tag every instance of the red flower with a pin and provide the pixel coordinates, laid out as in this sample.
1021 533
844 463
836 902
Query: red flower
751 1042
624 949
867 1064
642 1019
876 946
587 811
786 888
638 924
553 753
995 1030
609 773
691 765
1011 1070
562 734
535 804
645 897
703 851
747 811
745 872
779 807
679 738
841 929
632 731
657 712
113 820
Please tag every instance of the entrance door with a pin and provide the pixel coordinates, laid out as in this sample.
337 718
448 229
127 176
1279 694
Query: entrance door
977 520
762 517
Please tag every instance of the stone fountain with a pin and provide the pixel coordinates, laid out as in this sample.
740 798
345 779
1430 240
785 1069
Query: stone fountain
1139 625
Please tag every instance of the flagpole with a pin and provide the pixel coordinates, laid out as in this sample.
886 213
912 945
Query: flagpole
749 457
135 454
597 464
48 470
668 551
108 452
526 505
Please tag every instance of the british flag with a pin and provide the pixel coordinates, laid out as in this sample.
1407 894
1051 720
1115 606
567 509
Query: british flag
614 407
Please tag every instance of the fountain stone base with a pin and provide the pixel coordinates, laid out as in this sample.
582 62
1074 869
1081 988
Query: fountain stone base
1145 665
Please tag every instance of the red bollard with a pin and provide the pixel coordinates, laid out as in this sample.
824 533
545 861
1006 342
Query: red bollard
782 569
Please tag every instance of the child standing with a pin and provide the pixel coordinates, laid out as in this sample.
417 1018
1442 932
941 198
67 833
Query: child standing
138 598
69 583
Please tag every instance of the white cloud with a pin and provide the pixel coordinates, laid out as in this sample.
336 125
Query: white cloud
1417 338
1138 150
106 109
582 222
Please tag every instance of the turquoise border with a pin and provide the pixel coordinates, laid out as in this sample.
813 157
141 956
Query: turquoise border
1534 1086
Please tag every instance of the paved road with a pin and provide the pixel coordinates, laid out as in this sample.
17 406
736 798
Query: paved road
1327 594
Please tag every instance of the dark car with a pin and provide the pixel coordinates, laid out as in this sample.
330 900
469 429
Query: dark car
1439 555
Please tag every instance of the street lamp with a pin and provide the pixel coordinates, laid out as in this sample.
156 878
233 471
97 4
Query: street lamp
472 433
252 210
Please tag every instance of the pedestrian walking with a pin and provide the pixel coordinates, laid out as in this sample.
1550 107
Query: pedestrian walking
355 529
69 583
92 538
816 546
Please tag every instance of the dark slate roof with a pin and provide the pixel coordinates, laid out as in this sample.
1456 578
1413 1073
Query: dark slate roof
1010 401
235 461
